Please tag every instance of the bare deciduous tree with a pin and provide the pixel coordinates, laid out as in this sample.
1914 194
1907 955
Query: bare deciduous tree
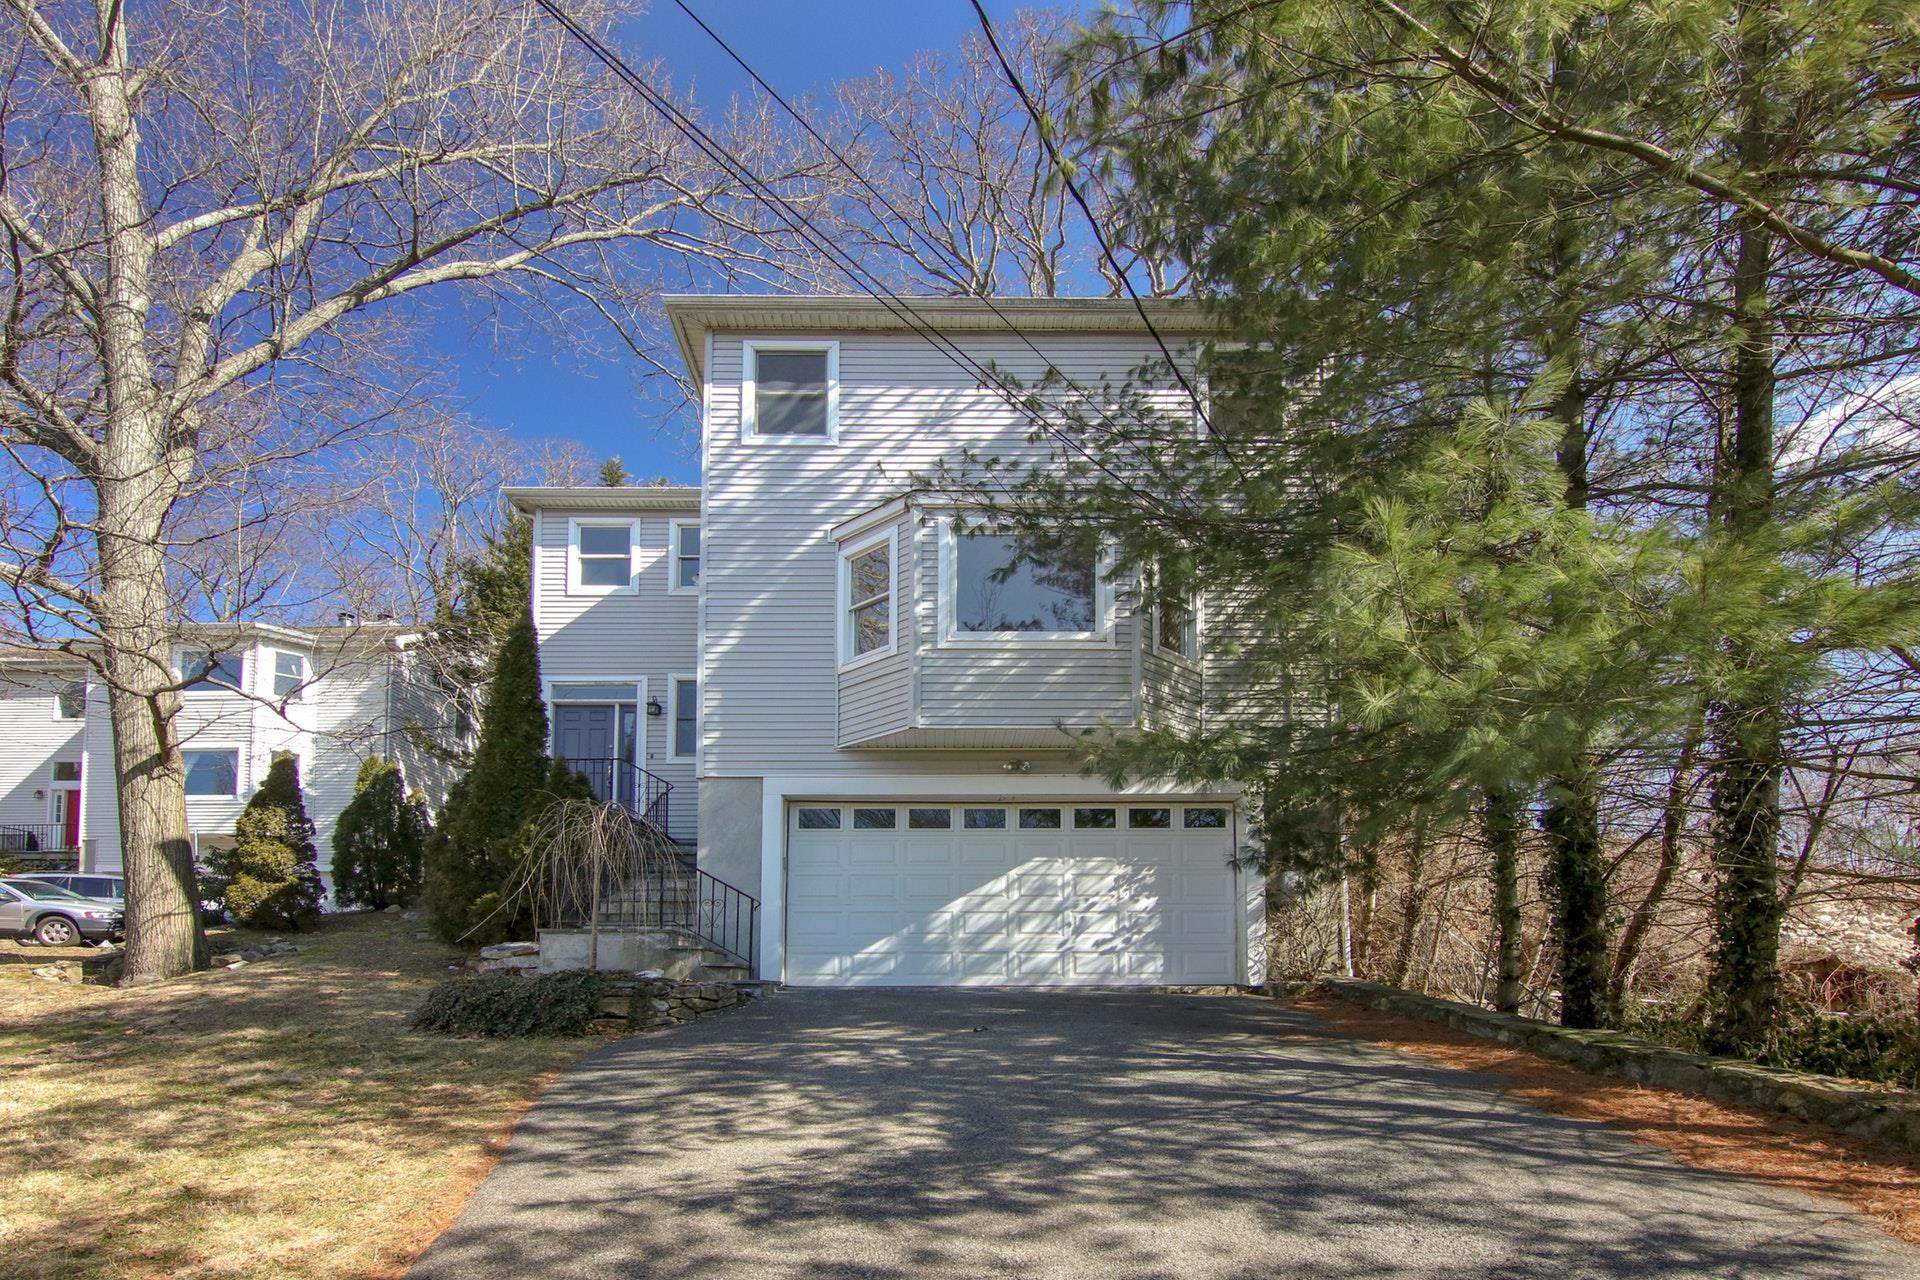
214 222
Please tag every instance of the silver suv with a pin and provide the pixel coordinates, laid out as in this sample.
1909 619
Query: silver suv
105 888
53 916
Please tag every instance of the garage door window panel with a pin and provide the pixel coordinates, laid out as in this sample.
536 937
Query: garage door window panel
819 819
1039 819
1095 819
985 819
1208 819
874 819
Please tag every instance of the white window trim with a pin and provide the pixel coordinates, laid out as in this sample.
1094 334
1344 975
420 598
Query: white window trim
640 716
749 350
951 637
240 763
204 691
1190 652
300 689
84 691
843 586
673 558
673 715
575 587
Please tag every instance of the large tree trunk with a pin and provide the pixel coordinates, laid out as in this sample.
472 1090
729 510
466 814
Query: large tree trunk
1577 873
1745 984
142 463
1500 816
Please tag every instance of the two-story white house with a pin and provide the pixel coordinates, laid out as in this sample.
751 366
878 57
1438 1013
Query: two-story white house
330 695
871 700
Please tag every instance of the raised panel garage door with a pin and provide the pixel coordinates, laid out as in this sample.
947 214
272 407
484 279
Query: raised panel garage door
942 894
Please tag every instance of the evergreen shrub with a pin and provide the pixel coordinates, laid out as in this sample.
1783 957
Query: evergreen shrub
508 1005
270 878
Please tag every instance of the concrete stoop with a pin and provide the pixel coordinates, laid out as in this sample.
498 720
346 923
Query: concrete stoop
670 951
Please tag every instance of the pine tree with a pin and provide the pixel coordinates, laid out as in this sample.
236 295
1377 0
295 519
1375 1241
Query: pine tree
270 878
379 840
473 853
613 473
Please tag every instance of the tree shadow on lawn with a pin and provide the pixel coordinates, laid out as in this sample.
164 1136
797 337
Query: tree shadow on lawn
911 1134
274 1119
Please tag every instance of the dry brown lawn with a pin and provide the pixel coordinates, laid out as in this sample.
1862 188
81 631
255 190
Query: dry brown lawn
278 1120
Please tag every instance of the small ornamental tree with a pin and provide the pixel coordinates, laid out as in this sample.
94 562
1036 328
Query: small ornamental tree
270 878
380 840
473 852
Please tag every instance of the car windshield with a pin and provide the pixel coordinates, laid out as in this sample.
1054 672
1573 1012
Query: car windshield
43 892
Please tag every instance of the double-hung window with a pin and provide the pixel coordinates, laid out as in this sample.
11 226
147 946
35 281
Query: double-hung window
1174 627
602 556
686 717
866 598
289 674
70 701
791 392
206 672
683 567
998 588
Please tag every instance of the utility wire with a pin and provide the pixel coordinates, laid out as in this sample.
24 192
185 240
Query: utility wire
947 253
1093 224
798 222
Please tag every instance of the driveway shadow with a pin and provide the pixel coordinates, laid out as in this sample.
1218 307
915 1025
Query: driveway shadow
950 1133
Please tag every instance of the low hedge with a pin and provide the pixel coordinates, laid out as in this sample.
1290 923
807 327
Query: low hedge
509 1005
1882 1049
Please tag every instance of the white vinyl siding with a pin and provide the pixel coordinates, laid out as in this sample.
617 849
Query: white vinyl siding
650 633
773 689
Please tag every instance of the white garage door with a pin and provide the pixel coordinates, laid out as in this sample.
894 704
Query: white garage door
944 894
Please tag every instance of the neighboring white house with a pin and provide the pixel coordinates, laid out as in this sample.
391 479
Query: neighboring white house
884 698
331 695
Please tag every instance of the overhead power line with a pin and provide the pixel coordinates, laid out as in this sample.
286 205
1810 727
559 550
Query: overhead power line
798 222
912 226
1093 224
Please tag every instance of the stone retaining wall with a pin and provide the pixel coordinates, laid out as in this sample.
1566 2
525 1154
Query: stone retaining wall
643 1003
1886 1115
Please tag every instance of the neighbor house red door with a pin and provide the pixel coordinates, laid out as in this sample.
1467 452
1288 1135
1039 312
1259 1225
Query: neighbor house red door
72 819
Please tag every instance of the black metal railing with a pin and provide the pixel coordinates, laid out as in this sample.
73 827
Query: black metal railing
34 837
713 911
626 784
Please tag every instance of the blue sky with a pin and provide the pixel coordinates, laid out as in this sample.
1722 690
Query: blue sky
798 45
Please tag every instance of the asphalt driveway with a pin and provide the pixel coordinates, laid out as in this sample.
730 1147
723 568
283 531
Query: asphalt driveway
966 1134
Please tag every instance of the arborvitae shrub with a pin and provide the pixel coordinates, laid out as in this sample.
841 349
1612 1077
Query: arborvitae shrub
506 1004
379 841
475 853
270 878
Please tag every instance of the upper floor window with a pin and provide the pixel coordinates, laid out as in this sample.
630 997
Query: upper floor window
1174 629
70 703
686 717
996 587
866 598
791 391
601 552
683 567
206 672
212 772
289 674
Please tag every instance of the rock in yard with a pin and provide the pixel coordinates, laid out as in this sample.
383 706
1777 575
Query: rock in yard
227 960
394 910
55 973
504 950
